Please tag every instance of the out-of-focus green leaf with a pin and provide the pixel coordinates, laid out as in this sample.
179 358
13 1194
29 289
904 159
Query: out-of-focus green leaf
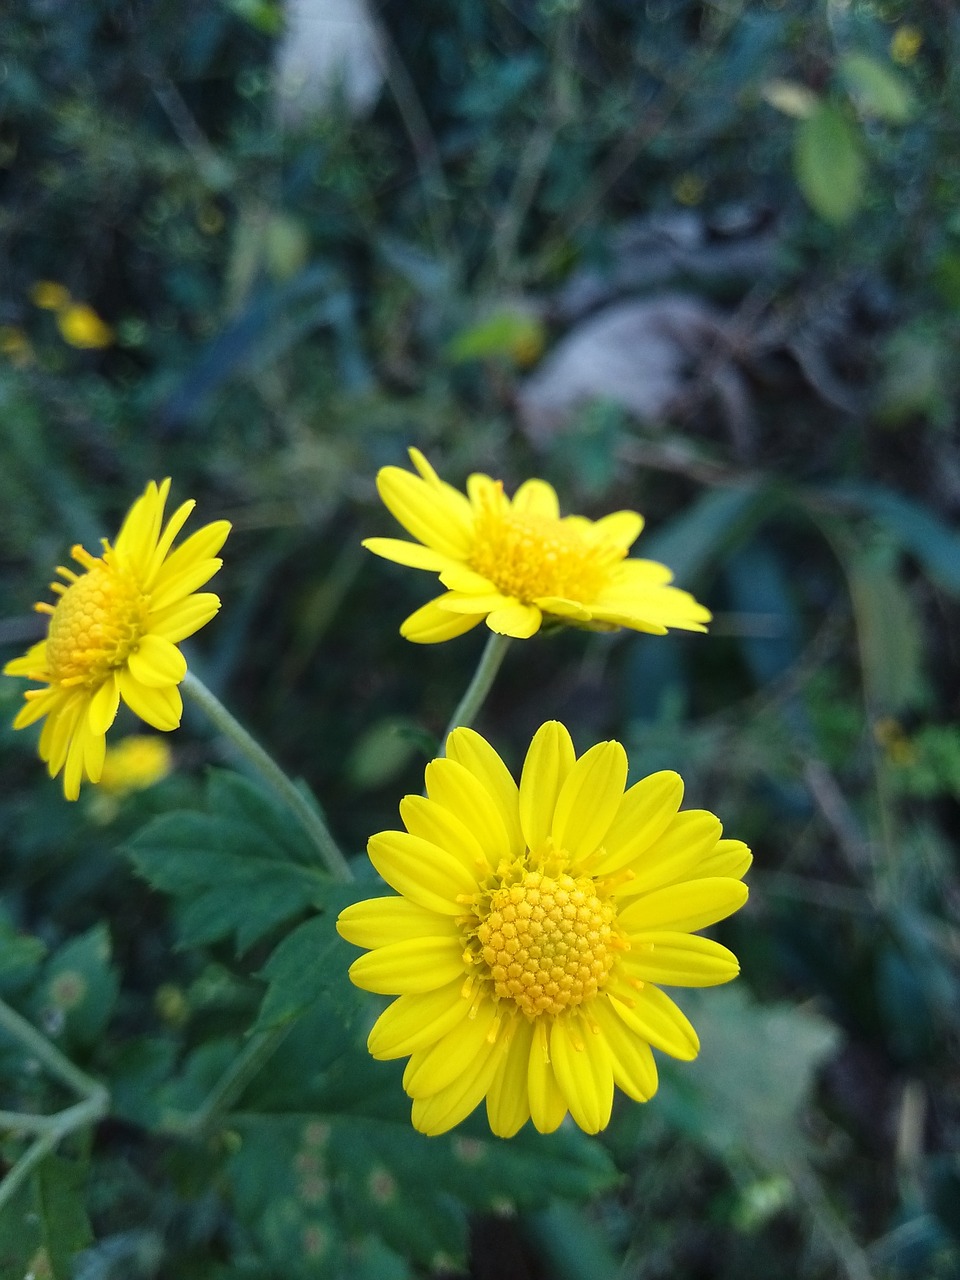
912 526
18 951
829 165
45 1225
383 751
742 1096
914 379
877 89
511 332
310 963
888 630
704 531
238 868
79 989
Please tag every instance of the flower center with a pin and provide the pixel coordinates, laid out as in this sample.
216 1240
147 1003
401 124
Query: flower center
529 556
547 942
98 621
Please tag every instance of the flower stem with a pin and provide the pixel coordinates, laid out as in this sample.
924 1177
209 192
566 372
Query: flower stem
50 1130
307 813
255 1054
478 688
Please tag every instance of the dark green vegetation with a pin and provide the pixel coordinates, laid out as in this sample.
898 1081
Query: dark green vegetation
292 308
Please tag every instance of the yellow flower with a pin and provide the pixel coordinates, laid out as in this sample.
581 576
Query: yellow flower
135 763
81 327
50 295
533 927
113 635
905 44
517 562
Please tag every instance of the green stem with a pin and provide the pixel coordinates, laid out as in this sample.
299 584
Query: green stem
255 1054
307 813
478 688
94 1104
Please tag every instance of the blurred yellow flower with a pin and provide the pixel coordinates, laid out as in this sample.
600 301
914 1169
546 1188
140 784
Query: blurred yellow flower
533 927
113 635
905 44
516 563
49 295
15 345
81 327
135 763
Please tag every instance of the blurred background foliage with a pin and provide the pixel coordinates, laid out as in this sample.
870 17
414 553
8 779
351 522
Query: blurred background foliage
697 259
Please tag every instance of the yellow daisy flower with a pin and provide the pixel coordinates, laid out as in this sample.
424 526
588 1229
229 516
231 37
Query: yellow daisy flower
113 635
516 562
533 928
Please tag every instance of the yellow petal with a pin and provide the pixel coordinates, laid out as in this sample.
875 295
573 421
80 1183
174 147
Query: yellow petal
432 624
161 708
621 528
547 1103
681 960
379 921
104 706
686 907
674 854
411 554
418 964
430 1070
140 530
450 784
436 515
589 799
468 748
416 1021
431 821
650 1014
508 1102
456 602
175 587
177 621
536 497
584 1072
645 812
634 1069
199 549
156 662
441 1111
729 858
549 760
520 621
423 872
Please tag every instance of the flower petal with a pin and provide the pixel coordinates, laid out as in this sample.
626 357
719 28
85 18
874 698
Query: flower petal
451 784
435 513
431 821
417 1020
423 872
673 855
377 922
550 758
620 528
468 748
584 1070
417 964
650 1013
729 858
104 705
520 621
156 662
645 812
411 554
589 799
537 498
447 1108
634 1069
680 960
508 1101
547 1103
430 1070
161 708
177 621
432 624
685 907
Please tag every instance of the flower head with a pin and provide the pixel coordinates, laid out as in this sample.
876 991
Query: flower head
533 927
113 635
516 562
137 762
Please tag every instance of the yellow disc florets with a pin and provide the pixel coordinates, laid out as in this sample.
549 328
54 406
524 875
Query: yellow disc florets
547 943
529 556
97 623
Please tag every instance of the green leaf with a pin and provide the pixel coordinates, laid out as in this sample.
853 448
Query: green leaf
829 165
311 962
704 531
755 1072
79 989
237 868
889 632
878 90
18 951
45 1225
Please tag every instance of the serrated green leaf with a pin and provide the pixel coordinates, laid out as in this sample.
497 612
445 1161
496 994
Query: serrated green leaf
235 869
742 1095
829 165
877 89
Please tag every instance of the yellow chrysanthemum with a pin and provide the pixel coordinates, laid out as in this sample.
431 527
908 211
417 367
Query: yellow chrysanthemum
137 762
534 925
113 635
515 562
